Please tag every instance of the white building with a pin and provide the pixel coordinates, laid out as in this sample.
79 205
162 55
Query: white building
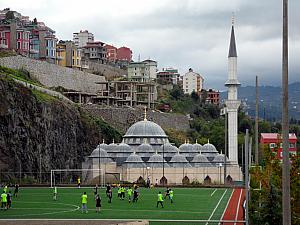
82 38
192 81
142 71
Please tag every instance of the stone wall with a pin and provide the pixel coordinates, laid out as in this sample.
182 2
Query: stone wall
123 118
109 72
52 75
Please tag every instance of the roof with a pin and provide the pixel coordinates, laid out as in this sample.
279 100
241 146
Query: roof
276 136
232 46
145 128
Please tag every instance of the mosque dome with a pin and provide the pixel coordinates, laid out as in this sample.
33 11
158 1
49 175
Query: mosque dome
220 159
146 148
186 148
156 158
102 154
197 147
209 148
103 145
112 147
201 160
99 151
134 158
168 148
123 148
145 128
178 158
134 161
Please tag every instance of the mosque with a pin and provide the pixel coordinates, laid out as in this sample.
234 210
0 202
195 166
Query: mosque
146 153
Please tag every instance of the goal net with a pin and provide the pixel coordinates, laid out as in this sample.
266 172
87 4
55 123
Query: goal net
70 177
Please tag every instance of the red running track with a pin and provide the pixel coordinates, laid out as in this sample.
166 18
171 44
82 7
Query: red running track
234 210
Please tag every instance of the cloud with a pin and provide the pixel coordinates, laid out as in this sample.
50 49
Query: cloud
182 34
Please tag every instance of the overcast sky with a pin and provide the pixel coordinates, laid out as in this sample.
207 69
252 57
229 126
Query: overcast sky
183 33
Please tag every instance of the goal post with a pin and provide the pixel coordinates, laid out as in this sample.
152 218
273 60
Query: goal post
69 176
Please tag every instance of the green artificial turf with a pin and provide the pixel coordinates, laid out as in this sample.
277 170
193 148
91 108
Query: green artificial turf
189 204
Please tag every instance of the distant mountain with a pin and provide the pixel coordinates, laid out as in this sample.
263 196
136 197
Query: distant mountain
270 103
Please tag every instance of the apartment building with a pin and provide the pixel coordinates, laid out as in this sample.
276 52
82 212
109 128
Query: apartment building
142 71
192 82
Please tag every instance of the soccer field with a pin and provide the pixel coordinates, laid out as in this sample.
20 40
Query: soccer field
189 204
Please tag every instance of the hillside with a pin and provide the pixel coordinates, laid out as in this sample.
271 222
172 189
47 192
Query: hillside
270 101
38 130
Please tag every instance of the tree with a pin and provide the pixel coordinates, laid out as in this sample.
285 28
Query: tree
9 15
176 92
195 96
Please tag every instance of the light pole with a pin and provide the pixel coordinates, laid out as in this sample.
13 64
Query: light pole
163 156
286 198
220 166
224 112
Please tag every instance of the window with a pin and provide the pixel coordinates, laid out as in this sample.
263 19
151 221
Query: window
272 145
291 145
19 45
77 61
73 53
73 63
19 35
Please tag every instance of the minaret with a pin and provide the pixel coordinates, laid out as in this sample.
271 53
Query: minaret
232 103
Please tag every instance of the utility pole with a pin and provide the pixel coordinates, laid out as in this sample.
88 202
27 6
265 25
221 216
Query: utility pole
256 122
247 175
286 204
225 151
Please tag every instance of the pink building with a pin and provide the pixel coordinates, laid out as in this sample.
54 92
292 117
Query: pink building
23 41
5 37
124 54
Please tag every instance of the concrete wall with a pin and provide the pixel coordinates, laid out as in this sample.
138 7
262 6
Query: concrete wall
52 75
123 118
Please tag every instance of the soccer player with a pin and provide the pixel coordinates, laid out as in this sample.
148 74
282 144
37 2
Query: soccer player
129 193
4 200
98 203
16 191
5 189
171 195
135 194
78 182
96 190
84 202
122 193
109 195
9 196
55 193
160 200
108 188
167 193
119 192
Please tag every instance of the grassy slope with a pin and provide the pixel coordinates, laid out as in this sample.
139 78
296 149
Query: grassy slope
189 204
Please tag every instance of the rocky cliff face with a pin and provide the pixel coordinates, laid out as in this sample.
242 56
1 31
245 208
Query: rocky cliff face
34 129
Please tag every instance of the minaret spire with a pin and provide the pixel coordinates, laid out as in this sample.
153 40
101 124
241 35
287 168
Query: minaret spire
232 46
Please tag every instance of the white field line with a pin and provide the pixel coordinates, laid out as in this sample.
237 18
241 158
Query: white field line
76 207
227 204
216 206
213 192
237 208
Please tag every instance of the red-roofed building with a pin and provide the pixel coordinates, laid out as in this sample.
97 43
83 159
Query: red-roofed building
124 54
274 141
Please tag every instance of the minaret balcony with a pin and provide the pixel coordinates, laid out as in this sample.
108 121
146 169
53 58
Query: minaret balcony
232 82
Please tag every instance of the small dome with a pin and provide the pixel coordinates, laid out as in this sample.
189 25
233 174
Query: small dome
99 152
123 148
145 148
145 128
197 147
178 158
112 147
156 158
103 146
168 148
200 159
134 158
209 148
220 159
186 147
